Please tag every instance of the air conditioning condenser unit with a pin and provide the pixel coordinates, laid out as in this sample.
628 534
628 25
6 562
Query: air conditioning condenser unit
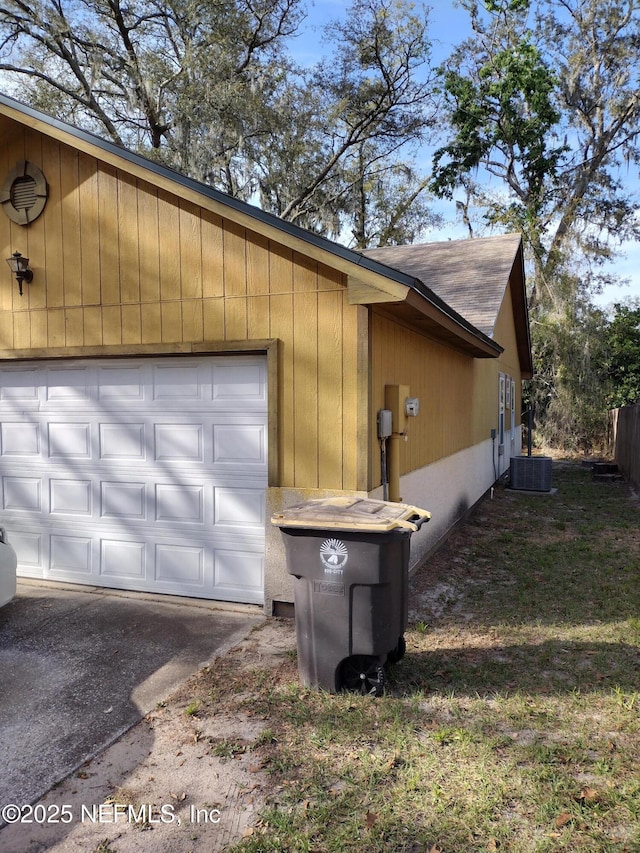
531 473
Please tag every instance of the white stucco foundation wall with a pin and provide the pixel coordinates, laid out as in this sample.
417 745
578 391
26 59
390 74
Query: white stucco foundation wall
449 487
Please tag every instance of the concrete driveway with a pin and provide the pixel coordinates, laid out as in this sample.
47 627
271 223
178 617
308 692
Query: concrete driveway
80 666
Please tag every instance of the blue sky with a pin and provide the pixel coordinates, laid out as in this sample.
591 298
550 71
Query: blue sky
449 26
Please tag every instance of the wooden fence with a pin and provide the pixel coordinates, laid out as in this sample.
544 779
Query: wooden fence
625 437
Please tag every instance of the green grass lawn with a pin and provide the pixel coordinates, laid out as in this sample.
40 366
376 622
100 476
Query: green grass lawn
511 724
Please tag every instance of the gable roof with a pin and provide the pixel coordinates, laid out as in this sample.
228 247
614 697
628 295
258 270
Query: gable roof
471 276
370 280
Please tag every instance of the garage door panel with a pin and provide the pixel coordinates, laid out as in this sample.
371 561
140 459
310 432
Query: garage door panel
70 497
120 384
178 383
124 442
20 439
69 440
235 384
127 502
235 443
21 385
239 508
71 555
235 570
138 474
180 503
69 385
123 558
180 564
22 494
123 501
179 442
31 550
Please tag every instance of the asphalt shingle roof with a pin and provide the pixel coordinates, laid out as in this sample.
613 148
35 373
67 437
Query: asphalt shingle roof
470 275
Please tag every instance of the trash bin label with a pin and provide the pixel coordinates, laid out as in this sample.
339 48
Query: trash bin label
334 556
328 588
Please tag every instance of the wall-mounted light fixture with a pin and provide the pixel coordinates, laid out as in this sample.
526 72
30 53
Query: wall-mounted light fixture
20 268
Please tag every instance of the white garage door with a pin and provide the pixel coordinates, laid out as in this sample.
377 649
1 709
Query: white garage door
145 474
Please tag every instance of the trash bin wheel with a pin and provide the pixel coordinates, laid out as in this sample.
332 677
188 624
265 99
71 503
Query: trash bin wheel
398 653
362 674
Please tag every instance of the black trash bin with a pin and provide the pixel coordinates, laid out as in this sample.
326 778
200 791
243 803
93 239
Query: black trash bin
349 558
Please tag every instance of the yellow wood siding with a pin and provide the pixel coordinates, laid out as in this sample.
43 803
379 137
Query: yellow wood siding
439 376
119 263
459 395
487 376
509 364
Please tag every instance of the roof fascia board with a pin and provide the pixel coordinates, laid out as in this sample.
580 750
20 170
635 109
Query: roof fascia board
521 309
456 325
360 292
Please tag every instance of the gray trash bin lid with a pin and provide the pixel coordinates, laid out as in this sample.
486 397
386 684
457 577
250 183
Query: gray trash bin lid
349 513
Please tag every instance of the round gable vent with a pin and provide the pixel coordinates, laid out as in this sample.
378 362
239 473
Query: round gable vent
24 193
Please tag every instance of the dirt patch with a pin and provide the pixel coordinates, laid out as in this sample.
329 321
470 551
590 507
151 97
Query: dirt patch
184 779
